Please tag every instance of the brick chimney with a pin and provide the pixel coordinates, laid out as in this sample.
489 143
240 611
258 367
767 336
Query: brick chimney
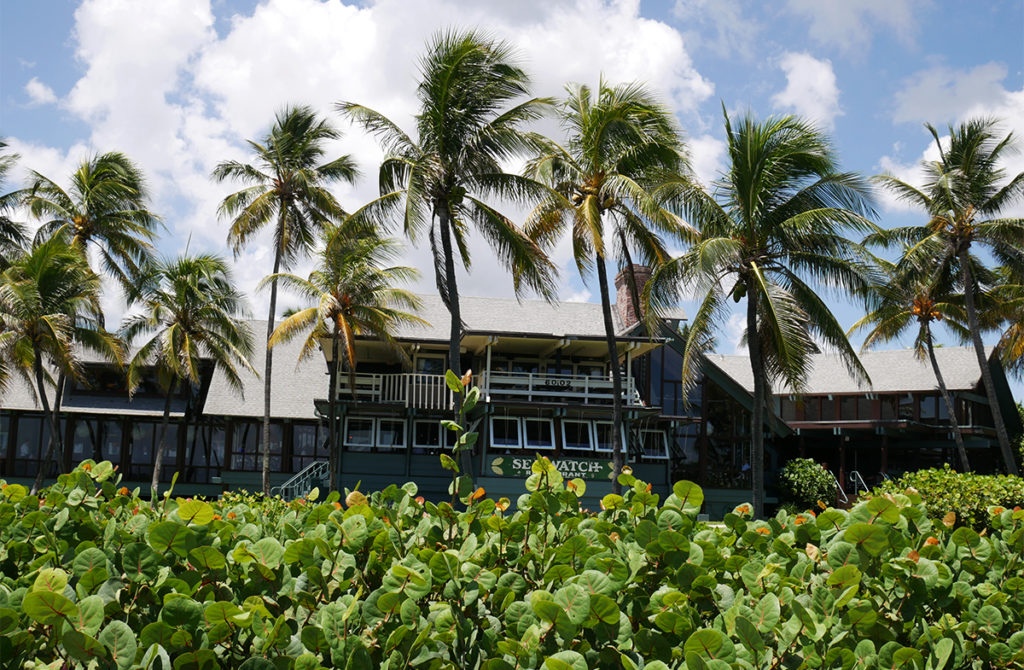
624 295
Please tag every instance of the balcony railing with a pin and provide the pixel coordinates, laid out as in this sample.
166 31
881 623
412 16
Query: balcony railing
425 391
539 386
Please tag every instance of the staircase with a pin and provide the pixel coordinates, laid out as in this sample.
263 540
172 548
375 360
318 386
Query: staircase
314 475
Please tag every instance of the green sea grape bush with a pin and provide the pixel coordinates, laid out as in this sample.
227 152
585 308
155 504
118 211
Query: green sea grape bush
969 496
93 576
803 483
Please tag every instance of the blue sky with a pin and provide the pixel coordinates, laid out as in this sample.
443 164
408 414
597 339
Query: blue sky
178 85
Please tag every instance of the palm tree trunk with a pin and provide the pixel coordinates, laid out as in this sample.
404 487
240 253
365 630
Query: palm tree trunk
268 368
161 445
332 422
49 417
618 458
953 421
58 400
455 335
970 289
757 409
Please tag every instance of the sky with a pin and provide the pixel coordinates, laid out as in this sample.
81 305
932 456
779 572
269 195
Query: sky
179 86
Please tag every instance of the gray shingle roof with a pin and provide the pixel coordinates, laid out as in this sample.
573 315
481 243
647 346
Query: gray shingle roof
508 315
890 371
293 387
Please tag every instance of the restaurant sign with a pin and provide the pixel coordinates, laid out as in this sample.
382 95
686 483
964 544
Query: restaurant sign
584 468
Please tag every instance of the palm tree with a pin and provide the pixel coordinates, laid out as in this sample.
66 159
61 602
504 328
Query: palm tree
49 303
469 124
13 236
352 287
286 189
1008 293
622 144
105 208
963 193
912 295
773 228
192 312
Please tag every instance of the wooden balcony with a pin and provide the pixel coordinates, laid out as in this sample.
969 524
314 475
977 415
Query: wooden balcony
424 391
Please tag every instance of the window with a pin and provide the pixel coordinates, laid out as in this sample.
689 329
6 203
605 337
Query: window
906 407
430 364
391 433
655 444
505 433
141 449
788 409
864 408
525 366
247 447
539 433
5 438
204 453
847 408
828 409
563 368
359 433
577 435
426 434
590 370
890 407
943 409
812 409
603 440
928 408
309 444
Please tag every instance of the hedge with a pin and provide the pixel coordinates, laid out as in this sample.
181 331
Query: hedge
93 576
967 495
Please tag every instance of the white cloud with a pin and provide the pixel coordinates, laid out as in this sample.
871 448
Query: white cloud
707 157
811 89
161 85
850 25
940 94
719 25
39 93
1006 106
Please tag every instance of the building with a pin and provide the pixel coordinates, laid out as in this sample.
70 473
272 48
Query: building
543 371
900 422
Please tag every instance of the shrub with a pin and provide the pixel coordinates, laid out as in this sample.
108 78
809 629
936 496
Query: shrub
803 483
93 576
968 495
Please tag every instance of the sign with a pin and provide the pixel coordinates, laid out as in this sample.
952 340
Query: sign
584 468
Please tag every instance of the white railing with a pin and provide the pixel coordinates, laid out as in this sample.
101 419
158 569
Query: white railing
532 386
424 391
421 391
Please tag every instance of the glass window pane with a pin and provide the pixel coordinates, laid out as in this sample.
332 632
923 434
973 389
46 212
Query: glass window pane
430 365
603 436
391 433
505 433
812 409
943 409
788 409
427 434
359 433
576 435
655 445
928 407
847 408
142 435
906 407
890 407
828 409
29 430
864 408
539 434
